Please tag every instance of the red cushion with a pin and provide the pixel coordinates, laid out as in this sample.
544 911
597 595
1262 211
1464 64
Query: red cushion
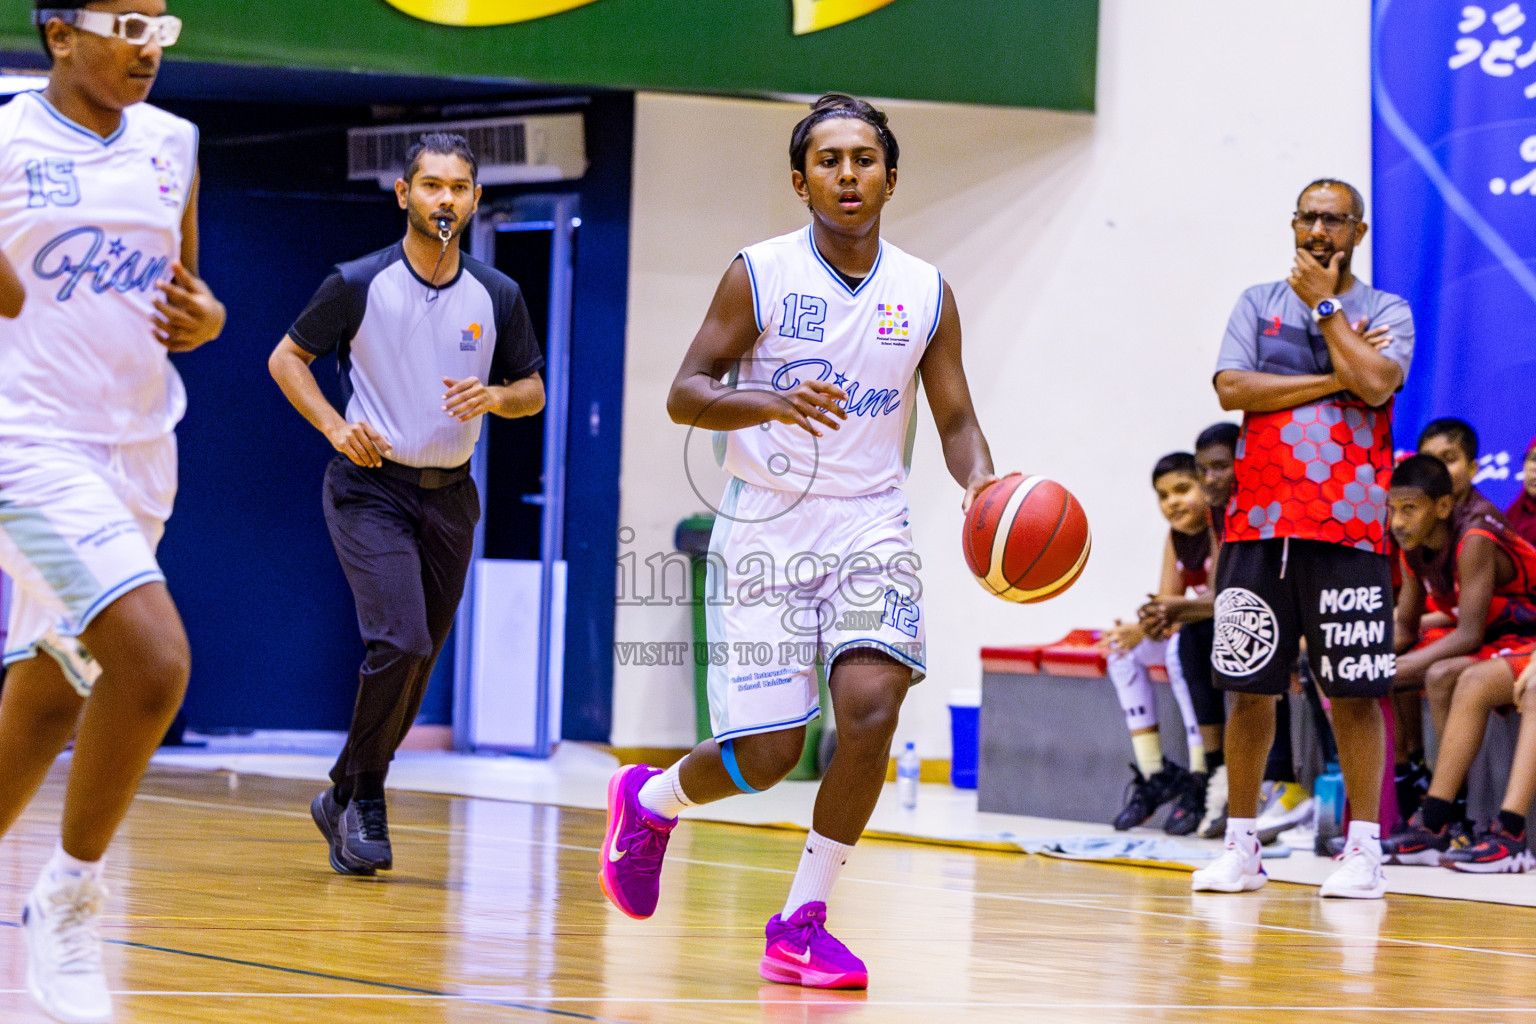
1018 660
1076 654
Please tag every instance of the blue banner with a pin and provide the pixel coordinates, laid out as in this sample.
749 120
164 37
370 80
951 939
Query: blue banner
1454 175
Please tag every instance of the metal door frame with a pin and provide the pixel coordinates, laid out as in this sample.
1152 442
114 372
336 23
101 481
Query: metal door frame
560 215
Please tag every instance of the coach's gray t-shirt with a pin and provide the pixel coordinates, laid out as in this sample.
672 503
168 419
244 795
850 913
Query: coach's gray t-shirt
1319 470
396 338
1272 331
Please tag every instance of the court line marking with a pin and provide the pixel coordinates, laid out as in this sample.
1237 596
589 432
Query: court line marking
402 991
840 1003
1080 904
1073 902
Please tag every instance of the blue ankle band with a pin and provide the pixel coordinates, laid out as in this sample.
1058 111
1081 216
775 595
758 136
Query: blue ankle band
728 755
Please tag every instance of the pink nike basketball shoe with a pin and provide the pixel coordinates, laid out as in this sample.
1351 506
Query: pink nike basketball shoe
636 842
802 952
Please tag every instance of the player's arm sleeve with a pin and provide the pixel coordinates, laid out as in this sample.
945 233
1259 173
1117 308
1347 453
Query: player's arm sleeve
1398 319
517 352
332 316
1240 345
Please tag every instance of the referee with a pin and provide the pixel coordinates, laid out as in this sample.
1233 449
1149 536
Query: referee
418 329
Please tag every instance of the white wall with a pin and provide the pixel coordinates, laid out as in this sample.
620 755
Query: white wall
1094 259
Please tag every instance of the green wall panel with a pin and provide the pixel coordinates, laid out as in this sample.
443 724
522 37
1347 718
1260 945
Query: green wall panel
1034 53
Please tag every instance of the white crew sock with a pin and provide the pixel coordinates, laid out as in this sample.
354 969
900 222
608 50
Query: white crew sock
63 865
664 794
1366 834
1244 832
820 865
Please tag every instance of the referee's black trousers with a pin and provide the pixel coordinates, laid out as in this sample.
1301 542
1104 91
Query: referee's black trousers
405 550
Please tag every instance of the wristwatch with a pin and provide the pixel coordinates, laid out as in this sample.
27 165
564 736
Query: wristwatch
1327 307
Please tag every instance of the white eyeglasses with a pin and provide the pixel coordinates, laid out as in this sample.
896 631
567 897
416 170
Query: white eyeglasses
133 29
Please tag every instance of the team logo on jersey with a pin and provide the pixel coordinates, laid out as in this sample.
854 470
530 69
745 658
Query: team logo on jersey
1247 632
469 338
892 325
167 181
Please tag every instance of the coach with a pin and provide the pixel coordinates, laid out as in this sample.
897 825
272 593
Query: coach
1305 553
419 329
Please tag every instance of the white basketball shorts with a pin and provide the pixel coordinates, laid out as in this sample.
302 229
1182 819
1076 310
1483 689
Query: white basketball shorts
795 580
79 524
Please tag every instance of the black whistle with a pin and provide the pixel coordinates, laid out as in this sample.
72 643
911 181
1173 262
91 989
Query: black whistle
442 223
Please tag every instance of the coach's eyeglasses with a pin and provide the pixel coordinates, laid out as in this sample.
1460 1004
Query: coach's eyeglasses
1331 221
133 29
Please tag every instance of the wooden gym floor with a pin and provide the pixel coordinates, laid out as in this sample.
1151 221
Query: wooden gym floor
223 909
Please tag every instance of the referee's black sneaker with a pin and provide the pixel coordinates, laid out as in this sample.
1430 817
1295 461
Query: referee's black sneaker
327 817
365 835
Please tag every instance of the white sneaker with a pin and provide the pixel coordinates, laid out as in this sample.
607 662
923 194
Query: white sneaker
80 669
61 920
1233 871
1277 818
1214 824
1358 878
1302 837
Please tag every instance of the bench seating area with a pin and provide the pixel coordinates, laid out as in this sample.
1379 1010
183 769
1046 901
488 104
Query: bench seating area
1053 741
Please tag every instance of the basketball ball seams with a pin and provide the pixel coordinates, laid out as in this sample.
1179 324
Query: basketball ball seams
1003 530
1031 520
1061 552
1044 548
1057 586
984 519
991 521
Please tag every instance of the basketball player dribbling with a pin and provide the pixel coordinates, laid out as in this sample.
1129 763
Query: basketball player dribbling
823 331
98 219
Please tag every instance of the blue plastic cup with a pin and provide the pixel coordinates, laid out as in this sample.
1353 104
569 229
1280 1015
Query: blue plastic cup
964 737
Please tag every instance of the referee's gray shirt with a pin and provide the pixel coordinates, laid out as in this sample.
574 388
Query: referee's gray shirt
397 337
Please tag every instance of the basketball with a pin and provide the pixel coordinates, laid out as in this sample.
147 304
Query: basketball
1026 538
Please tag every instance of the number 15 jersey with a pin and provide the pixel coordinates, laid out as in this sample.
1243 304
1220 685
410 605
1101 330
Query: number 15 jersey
867 338
89 225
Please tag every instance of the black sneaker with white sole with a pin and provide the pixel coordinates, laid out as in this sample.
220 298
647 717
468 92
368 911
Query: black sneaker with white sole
365 835
1493 851
1417 844
327 815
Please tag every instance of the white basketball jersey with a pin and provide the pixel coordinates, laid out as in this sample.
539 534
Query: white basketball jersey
90 224
867 339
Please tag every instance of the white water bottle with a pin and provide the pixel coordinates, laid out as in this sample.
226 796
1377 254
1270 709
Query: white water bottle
908 768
